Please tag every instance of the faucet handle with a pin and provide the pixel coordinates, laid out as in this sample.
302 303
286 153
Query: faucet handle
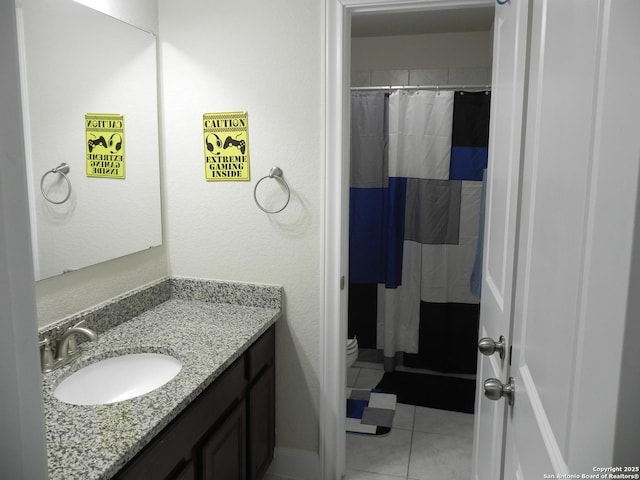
46 356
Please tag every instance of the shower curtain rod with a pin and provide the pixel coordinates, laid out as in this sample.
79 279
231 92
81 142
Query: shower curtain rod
422 87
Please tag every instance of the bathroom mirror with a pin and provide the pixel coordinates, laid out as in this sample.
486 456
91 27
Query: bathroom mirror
76 61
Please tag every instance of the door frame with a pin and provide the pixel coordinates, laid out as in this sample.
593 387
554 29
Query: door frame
23 451
335 228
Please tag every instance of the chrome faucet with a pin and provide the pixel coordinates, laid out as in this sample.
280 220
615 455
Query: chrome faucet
67 350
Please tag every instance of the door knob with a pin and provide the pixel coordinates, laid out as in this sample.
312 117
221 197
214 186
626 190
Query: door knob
488 346
494 389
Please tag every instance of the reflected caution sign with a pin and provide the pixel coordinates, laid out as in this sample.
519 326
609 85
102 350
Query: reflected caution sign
104 134
226 146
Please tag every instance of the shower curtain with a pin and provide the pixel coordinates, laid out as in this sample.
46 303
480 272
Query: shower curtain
417 162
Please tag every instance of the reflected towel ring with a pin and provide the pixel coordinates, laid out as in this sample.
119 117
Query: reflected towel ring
62 169
276 173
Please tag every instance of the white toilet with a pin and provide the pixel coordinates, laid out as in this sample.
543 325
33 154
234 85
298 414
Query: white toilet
352 351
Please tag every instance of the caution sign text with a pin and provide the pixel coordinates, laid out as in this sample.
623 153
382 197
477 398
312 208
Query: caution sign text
104 145
226 146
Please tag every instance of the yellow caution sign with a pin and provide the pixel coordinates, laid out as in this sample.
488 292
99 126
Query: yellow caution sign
105 145
226 146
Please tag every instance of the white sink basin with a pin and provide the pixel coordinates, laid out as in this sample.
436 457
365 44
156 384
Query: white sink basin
117 378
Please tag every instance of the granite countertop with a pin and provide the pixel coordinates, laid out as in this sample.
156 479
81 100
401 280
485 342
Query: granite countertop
95 442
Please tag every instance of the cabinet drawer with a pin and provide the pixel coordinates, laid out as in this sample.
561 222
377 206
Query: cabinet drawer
261 354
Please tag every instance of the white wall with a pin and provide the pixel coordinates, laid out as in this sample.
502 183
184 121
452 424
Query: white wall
141 13
442 50
265 58
435 59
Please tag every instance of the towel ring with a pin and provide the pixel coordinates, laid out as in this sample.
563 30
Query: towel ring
275 172
62 169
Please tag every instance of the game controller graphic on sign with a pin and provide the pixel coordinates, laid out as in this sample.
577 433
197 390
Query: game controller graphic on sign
104 134
241 144
226 159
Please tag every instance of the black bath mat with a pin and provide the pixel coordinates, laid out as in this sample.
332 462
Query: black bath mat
434 391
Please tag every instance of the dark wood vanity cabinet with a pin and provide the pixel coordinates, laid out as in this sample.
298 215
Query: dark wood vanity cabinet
226 433
261 418
223 454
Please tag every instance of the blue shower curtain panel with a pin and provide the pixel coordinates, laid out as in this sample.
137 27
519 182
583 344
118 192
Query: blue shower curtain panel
417 161
377 233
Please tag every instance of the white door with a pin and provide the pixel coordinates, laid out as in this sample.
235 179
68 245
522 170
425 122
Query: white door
507 98
579 189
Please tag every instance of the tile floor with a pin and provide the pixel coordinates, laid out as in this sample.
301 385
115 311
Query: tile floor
424 443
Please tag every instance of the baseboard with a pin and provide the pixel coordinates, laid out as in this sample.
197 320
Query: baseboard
293 464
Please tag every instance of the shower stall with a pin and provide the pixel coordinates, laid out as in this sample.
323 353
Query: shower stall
418 159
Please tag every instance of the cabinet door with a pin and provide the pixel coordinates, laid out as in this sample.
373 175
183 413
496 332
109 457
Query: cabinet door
261 410
187 472
162 459
223 455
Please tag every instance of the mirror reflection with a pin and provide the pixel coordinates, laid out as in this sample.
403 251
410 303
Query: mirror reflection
91 128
